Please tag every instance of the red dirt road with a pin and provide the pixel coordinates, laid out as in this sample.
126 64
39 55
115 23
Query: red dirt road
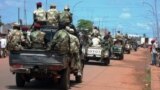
120 75
127 74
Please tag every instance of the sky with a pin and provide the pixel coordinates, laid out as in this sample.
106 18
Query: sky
128 16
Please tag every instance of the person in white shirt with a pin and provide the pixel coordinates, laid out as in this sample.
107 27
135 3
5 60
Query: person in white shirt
3 44
153 53
95 41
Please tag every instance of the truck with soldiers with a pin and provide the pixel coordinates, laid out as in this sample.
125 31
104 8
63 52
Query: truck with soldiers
51 49
98 49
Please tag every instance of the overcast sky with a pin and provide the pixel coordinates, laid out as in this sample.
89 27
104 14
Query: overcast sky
129 16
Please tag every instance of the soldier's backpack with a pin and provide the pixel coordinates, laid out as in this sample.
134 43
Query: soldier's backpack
37 39
61 41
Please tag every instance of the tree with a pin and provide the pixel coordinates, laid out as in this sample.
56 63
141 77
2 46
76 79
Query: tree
85 24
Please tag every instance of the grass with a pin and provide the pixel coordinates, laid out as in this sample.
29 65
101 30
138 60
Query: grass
148 79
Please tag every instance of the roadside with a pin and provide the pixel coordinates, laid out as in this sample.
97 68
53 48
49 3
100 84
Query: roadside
152 79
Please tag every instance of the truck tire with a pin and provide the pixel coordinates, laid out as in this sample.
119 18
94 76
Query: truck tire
65 79
128 51
121 57
86 60
135 49
106 61
20 81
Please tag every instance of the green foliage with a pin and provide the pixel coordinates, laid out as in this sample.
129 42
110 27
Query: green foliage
85 24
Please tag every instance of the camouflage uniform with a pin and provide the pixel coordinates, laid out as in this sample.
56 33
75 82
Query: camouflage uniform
37 37
75 51
108 43
53 16
15 38
60 42
66 17
39 14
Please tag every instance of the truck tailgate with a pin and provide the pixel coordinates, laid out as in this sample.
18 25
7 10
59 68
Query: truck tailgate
36 57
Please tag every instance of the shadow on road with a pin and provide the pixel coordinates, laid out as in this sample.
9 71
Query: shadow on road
40 85
97 63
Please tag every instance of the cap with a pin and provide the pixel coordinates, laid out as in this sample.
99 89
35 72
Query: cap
24 28
53 5
39 4
37 25
153 40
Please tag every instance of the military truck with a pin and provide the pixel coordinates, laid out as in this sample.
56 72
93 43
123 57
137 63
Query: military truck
117 50
40 64
97 53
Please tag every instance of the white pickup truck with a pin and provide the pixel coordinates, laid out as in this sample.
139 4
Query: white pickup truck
97 53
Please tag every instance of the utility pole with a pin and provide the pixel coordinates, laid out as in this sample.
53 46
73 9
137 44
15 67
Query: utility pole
18 15
0 21
25 14
154 11
0 25
46 4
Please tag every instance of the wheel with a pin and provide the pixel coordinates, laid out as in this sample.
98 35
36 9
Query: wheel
121 57
20 81
135 49
129 51
106 61
87 60
65 79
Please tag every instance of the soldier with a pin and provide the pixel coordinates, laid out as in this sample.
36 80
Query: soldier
39 15
26 35
95 31
15 38
37 37
53 15
65 43
66 16
108 42
75 50
119 36
60 41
